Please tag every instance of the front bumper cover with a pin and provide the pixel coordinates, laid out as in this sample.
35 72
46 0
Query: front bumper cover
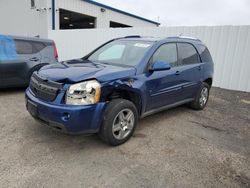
66 118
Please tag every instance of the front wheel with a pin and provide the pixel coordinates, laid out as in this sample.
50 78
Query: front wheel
119 122
201 98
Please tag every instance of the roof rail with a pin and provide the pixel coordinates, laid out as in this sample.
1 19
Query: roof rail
133 36
184 37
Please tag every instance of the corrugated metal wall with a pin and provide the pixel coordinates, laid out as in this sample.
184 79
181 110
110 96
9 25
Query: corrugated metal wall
229 46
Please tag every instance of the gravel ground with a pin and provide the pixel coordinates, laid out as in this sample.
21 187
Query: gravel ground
175 148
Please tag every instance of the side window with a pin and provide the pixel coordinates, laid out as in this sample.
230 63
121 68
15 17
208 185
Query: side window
38 46
28 47
23 47
167 53
187 54
205 55
114 52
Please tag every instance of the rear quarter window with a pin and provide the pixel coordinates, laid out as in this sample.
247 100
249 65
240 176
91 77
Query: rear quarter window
205 54
28 47
38 46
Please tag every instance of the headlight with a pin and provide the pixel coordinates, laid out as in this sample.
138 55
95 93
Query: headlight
83 93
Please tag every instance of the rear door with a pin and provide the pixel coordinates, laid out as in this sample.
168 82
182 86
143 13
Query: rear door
20 56
28 51
28 56
18 70
191 69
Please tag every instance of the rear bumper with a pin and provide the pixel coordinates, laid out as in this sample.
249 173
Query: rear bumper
66 118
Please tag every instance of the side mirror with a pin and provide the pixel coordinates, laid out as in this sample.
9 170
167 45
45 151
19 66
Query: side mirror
159 66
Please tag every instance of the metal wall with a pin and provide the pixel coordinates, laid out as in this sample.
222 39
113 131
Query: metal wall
229 46
17 17
102 18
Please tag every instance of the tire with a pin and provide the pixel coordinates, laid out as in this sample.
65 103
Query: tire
119 122
201 98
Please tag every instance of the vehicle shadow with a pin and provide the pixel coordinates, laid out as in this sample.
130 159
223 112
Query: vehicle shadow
46 135
158 117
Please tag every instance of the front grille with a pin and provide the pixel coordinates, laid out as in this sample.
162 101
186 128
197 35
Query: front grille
43 88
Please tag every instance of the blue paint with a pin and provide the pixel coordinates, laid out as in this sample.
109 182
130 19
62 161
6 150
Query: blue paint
53 14
82 119
7 48
120 11
155 89
160 65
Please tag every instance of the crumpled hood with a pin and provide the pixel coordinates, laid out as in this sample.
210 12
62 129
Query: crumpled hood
78 70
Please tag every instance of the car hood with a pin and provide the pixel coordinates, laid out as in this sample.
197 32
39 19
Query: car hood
78 70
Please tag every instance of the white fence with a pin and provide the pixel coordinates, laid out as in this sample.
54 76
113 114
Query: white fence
229 46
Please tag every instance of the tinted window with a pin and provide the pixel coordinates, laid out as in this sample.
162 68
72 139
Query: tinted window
204 53
23 47
188 54
166 53
28 47
38 46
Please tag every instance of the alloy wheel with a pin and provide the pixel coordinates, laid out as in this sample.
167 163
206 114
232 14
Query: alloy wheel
123 124
203 96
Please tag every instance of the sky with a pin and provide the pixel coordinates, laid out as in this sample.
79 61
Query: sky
187 12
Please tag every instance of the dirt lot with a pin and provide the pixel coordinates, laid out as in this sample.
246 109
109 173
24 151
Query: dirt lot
175 148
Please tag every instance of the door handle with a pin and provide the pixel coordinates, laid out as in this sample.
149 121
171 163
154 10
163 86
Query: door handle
34 59
177 73
199 67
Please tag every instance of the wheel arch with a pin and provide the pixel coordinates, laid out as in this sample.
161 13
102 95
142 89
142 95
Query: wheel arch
129 95
209 81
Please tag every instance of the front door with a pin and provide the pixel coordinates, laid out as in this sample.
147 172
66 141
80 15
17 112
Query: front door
163 87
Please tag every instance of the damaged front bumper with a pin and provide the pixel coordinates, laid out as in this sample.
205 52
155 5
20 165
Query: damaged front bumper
66 118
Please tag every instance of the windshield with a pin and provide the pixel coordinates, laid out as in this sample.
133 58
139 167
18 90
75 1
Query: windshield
123 53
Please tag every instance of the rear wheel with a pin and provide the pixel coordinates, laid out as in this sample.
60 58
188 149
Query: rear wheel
201 98
119 122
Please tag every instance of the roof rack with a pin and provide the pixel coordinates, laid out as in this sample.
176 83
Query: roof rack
184 37
133 36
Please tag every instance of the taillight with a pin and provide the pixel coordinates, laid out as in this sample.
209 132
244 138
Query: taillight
55 51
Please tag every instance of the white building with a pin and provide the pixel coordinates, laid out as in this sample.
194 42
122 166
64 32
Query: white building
37 17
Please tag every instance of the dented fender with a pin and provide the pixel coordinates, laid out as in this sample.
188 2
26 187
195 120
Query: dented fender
130 85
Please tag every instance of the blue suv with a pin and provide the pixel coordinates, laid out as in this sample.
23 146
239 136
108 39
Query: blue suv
125 79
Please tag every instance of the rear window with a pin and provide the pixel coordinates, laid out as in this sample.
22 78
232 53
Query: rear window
205 54
28 47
